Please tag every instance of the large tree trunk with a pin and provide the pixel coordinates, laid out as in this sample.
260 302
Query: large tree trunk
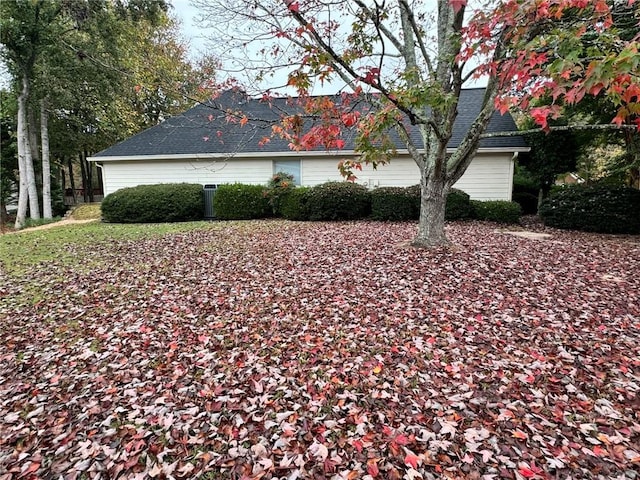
34 204
46 164
433 200
27 193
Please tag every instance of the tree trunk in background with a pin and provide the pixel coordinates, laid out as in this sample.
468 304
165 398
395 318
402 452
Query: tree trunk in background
28 190
89 168
23 191
46 164
31 152
33 136
72 182
4 215
85 183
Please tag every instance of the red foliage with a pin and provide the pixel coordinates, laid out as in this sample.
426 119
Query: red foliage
276 349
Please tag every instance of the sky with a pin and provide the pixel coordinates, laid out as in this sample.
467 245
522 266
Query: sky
190 28
197 38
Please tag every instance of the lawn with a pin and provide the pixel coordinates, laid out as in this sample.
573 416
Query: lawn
259 350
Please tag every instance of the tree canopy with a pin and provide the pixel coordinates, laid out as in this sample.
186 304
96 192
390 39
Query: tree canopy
411 60
100 71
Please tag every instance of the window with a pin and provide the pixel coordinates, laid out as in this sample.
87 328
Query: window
292 167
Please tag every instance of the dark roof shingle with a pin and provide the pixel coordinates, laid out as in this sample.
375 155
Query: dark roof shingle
205 129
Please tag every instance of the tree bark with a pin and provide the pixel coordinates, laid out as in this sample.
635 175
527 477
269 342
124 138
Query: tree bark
89 169
34 204
85 183
433 199
28 193
46 163
72 182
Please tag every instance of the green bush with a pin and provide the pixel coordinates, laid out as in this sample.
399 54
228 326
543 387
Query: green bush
394 203
525 184
338 201
501 211
239 201
527 201
458 205
293 204
593 208
169 202
280 184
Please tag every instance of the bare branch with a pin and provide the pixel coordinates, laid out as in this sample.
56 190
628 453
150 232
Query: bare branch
560 128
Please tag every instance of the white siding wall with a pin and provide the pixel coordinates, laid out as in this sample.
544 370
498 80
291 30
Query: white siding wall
489 177
117 175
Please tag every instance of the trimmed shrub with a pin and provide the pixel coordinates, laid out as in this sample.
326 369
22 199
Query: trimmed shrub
338 201
501 211
458 205
168 202
239 201
593 208
527 201
414 192
280 184
293 204
393 203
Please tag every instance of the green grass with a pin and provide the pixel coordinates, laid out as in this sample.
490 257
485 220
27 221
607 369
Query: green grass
21 251
87 211
30 222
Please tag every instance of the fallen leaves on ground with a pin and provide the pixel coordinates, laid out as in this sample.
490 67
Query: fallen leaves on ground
308 350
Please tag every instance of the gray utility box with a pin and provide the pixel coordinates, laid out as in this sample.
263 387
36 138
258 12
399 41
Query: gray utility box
209 193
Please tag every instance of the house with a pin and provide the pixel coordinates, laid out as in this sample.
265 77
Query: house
203 146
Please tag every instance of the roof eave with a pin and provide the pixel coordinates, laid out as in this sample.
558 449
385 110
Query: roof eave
292 153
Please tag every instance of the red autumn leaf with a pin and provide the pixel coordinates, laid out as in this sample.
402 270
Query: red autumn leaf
411 459
372 467
519 434
350 119
457 4
526 472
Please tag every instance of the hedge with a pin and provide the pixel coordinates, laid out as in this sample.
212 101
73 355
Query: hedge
501 211
337 201
240 201
293 205
398 203
593 208
458 205
169 202
394 204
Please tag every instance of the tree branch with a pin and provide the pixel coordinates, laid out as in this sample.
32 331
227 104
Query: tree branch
560 128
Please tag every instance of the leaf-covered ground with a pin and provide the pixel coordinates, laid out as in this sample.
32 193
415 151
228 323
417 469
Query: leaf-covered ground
285 350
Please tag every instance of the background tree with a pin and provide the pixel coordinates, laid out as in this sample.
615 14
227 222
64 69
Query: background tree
410 61
8 152
97 72
552 153
595 109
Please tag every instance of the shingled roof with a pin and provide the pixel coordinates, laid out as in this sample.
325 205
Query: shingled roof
204 129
